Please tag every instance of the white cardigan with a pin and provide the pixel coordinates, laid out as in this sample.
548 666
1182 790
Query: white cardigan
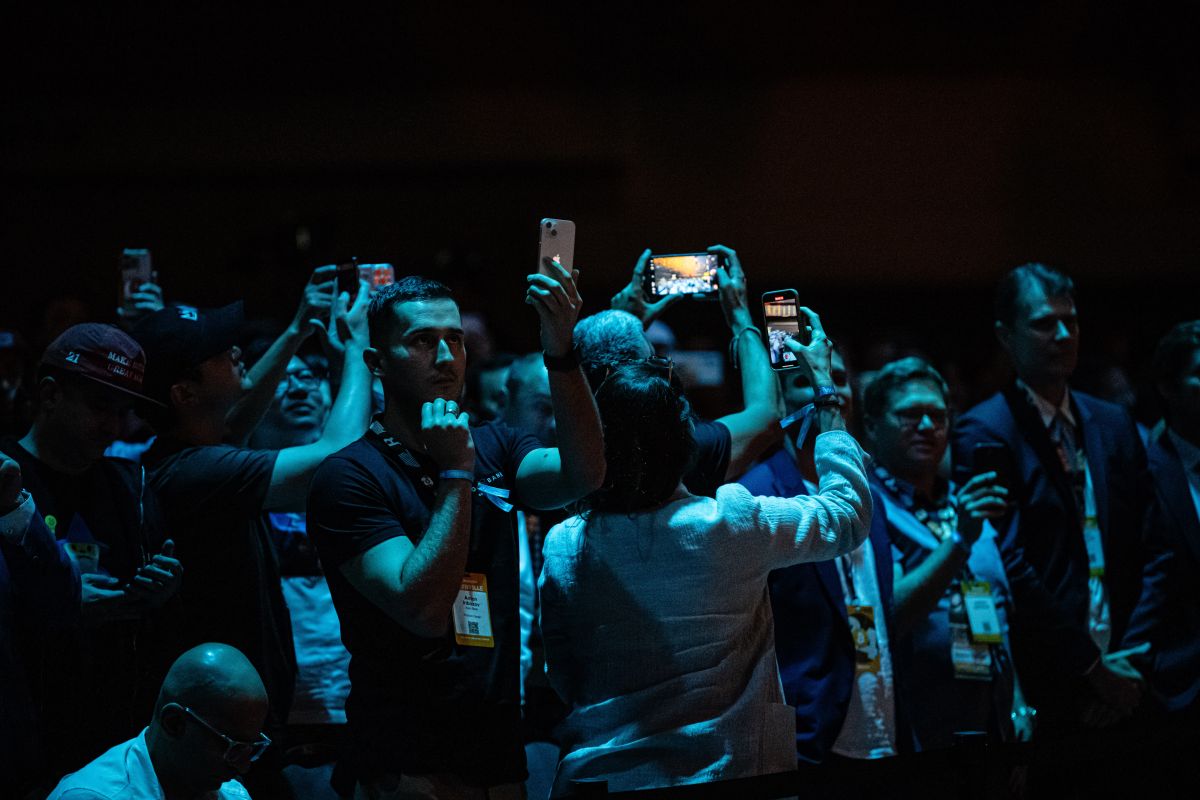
658 630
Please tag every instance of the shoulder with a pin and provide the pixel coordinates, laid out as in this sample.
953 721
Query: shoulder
987 412
497 443
215 457
710 430
358 456
1109 413
564 539
233 790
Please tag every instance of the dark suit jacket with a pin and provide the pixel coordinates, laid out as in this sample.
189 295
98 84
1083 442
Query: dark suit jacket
812 635
1176 669
1042 543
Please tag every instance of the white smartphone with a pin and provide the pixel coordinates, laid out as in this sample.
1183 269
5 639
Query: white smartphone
556 241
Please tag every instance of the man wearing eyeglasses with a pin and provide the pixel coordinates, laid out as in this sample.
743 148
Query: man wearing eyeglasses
206 730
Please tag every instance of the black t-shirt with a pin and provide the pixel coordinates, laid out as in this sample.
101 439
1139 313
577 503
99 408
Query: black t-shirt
213 500
713 445
420 705
110 521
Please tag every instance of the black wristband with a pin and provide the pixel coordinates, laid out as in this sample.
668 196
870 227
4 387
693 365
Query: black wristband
562 363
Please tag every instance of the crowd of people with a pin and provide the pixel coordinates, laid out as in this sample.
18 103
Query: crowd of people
369 566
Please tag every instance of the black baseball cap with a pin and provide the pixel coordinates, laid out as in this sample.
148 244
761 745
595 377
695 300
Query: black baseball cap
180 338
100 353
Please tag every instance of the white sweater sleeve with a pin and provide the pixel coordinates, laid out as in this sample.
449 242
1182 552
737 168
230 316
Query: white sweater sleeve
816 527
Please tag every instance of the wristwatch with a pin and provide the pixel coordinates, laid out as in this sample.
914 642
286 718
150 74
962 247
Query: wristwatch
562 363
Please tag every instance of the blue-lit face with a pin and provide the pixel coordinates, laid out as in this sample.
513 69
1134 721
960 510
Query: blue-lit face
1043 341
425 355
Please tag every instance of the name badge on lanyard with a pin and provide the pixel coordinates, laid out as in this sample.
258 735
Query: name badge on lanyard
472 615
972 659
1092 540
866 641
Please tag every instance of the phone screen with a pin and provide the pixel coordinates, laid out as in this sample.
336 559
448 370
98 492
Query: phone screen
377 275
995 457
781 312
135 270
691 273
347 279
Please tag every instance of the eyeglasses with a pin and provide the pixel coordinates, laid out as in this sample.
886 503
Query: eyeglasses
235 752
305 379
914 418
661 363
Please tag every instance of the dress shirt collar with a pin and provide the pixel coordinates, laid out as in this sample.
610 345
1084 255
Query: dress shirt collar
1047 410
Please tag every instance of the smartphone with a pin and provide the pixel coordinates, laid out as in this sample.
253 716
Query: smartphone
995 457
135 270
556 241
376 275
781 313
693 274
347 278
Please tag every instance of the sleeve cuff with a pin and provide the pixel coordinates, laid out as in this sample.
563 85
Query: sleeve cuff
15 524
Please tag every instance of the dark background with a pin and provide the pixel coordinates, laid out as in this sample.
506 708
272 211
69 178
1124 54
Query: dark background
889 161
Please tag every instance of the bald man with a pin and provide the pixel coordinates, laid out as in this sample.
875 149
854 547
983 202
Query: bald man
206 729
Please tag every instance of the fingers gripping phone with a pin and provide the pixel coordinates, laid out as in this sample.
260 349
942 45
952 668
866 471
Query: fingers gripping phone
693 274
995 457
556 241
135 270
781 313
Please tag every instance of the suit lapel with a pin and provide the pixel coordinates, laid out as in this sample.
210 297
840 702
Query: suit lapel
1029 422
788 482
1176 493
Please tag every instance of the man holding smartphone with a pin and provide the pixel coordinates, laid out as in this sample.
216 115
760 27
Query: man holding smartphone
109 522
413 525
215 491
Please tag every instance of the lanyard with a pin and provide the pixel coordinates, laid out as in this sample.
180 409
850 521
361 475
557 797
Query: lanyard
395 448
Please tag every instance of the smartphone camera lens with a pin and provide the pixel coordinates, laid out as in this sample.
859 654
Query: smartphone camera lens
549 225
554 233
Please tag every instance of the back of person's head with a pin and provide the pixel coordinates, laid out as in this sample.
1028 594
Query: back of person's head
487 387
609 339
381 315
530 405
1173 355
1013 286
877 396
208 718
649 439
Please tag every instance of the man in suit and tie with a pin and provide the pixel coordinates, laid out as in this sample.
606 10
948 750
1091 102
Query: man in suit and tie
1082 582
1175 464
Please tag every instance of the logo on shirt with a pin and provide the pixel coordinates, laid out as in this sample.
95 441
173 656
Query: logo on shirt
188 313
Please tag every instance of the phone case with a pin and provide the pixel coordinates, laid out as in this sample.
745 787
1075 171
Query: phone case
556 240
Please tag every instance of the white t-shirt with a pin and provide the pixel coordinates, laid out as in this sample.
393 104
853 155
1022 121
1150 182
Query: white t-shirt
124 772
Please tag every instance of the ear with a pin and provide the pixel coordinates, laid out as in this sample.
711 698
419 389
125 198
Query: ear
172 719
373 361
49 392
183 394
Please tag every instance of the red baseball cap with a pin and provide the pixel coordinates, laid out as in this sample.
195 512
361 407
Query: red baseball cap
101 353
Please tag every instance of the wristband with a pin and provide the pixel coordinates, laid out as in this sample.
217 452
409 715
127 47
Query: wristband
733 355
456 475
562 363
826 396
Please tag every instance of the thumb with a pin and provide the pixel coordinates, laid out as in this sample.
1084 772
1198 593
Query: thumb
168 548
101 581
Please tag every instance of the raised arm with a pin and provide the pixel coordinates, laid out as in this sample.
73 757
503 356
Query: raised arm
756 427
918 592
348 418
265 375
555 476
416 584
632 298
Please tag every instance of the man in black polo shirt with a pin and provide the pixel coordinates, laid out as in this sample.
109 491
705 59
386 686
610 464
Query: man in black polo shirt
215 492
412 523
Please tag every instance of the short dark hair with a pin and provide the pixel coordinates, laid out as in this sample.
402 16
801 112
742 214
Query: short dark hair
1174 351
895 374
1008 291
380 316
649 441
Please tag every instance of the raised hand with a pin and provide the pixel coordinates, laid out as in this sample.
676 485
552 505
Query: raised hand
446 434
632 298
731 285
980 498
557 301
145 299
317 298
817 355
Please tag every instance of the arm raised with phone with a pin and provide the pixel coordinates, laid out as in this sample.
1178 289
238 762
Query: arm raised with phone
555 476
756 427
